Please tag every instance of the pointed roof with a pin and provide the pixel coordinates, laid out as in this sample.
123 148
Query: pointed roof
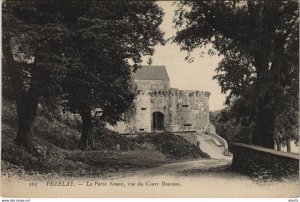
152 73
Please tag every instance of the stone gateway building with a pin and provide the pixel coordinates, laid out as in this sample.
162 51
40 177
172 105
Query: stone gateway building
161 108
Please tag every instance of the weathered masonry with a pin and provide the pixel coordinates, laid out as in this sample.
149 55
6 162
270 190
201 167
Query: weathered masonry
161 108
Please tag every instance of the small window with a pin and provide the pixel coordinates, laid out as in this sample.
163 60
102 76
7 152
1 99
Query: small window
141 129
185 105
143 108
187 124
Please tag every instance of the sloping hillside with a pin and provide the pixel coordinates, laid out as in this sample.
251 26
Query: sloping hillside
56 138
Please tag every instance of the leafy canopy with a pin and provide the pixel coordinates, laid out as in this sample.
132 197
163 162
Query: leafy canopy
259 41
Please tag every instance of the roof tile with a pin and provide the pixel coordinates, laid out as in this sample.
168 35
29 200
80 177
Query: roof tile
152 73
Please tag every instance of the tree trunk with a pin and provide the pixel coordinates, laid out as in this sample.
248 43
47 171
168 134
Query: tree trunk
87 138
278 144
26 101
264 127
288 145
264 124
12 70
26 111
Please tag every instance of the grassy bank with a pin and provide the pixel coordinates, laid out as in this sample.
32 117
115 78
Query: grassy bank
56 139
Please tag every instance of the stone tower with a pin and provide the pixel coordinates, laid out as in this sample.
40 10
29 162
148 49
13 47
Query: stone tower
161 108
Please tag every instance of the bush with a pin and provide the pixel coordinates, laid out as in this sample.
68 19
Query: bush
110 140
18 156
56 133
177 147
9 114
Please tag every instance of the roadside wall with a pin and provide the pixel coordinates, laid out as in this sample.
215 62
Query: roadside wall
249 159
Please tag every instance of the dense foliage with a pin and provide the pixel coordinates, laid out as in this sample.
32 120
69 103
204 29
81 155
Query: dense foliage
80 53
259 41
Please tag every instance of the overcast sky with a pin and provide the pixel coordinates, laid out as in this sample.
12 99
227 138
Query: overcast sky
183 75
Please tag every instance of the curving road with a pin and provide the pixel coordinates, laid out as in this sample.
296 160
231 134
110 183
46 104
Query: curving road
204 178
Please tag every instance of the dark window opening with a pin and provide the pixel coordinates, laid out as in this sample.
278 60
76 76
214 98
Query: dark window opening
143 108
185 105
187 124
141 129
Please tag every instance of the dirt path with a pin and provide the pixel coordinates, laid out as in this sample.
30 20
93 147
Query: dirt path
175 169
198 178
208 178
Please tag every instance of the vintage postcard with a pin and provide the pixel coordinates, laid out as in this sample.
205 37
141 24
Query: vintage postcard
150 99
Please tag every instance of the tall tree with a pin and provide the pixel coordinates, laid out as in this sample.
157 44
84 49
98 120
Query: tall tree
104 39
259 42
32 37
59 40
97 89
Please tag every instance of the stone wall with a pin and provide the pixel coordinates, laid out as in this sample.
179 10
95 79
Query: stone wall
152 84
160 103
263 162
183 110
143 112
189 110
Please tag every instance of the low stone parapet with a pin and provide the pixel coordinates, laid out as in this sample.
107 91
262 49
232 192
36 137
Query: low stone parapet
250 159
222 141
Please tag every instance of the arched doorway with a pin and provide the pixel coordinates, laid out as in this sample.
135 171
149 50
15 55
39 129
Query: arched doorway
157 121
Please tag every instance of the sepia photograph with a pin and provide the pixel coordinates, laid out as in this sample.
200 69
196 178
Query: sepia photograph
150 99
